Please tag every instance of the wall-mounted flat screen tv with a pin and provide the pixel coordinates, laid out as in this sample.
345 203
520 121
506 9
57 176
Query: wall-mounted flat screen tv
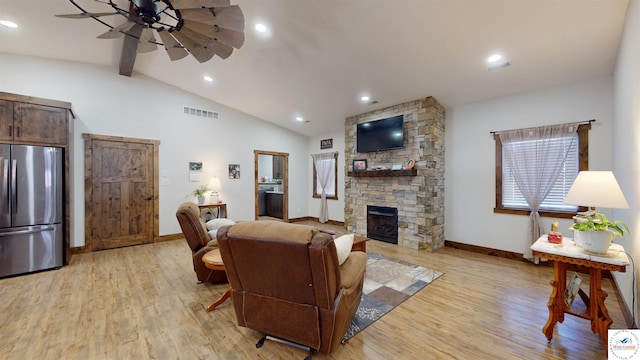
384 134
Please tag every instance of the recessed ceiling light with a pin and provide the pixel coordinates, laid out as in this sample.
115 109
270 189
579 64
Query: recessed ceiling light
9 24
494 58
364 98
261 28
208 78
299 118
497 61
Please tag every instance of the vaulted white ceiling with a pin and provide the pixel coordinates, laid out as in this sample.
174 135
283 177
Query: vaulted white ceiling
320 56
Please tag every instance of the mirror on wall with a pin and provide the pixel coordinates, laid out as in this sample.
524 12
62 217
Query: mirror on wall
271 181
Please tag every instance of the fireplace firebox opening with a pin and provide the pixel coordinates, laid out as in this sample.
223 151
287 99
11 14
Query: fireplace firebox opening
382 223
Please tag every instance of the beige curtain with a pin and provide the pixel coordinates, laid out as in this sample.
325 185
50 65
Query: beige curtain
535 168
324 167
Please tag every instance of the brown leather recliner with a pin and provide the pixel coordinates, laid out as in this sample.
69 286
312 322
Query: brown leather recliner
287 282
195 232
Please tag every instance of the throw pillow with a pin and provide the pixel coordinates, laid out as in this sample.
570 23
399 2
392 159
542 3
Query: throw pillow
215 224
343 247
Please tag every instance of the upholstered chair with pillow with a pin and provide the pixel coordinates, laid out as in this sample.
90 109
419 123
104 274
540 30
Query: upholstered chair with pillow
195 232
214 224
287 282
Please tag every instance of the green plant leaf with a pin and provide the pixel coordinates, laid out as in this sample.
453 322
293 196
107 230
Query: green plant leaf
599 222
200 191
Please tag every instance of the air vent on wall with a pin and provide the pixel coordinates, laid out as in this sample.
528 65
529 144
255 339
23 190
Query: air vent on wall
200 112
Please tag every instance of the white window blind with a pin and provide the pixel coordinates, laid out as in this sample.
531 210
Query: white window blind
511 195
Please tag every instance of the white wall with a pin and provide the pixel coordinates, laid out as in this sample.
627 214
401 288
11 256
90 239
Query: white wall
626 147
109 104
336 207
470 154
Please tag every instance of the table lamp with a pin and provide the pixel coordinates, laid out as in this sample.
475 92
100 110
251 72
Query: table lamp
594 189
215 186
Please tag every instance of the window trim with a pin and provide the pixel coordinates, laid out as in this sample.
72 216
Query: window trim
335 180
583 165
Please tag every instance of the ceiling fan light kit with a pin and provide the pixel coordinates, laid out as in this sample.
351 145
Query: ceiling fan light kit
202 28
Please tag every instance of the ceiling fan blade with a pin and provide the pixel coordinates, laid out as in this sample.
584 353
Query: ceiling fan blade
130 50
198 51
204 16
225 36
228 17
117 31
146 42
195 4
85 15
174 50
218 48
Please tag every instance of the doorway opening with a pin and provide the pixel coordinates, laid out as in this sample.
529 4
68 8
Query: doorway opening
271 185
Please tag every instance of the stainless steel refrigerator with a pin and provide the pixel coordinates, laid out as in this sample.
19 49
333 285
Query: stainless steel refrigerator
31 209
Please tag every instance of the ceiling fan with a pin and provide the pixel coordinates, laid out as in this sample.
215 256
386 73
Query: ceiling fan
202 28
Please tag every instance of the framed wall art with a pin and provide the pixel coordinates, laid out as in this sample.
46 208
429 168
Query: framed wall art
326 144
195 171
360 165
234 171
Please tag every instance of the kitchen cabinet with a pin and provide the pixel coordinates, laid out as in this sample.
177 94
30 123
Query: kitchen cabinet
33 123
6 120
262 198
278 167
275 204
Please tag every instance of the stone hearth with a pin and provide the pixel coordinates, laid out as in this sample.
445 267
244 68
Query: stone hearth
419 198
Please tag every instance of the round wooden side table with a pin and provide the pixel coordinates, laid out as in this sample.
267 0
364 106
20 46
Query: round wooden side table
213 261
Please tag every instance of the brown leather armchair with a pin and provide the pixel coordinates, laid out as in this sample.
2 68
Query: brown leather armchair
286 282
195 232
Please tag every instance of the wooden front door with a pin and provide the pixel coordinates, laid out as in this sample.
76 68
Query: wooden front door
121 191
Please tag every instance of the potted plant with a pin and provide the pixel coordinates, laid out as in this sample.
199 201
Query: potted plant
199 192
596 233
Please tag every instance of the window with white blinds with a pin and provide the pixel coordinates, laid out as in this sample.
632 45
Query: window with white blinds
512 197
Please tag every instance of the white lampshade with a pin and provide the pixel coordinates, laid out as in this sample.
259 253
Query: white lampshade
596 189
214 184
215 187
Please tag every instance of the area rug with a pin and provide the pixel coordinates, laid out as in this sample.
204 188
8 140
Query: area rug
387 283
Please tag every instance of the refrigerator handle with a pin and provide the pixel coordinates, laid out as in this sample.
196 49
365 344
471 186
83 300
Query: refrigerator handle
5 183
30 230
14 186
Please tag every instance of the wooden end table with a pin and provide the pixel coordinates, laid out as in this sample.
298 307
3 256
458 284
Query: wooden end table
222 209
359 243
213 261
568 253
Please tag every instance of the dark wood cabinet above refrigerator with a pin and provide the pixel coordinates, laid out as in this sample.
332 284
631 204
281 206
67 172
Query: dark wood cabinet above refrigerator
28 120
27 123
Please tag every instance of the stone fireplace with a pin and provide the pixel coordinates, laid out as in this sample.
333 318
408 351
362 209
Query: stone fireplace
418 194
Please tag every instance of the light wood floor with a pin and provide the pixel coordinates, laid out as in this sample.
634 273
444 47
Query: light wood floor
143 302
